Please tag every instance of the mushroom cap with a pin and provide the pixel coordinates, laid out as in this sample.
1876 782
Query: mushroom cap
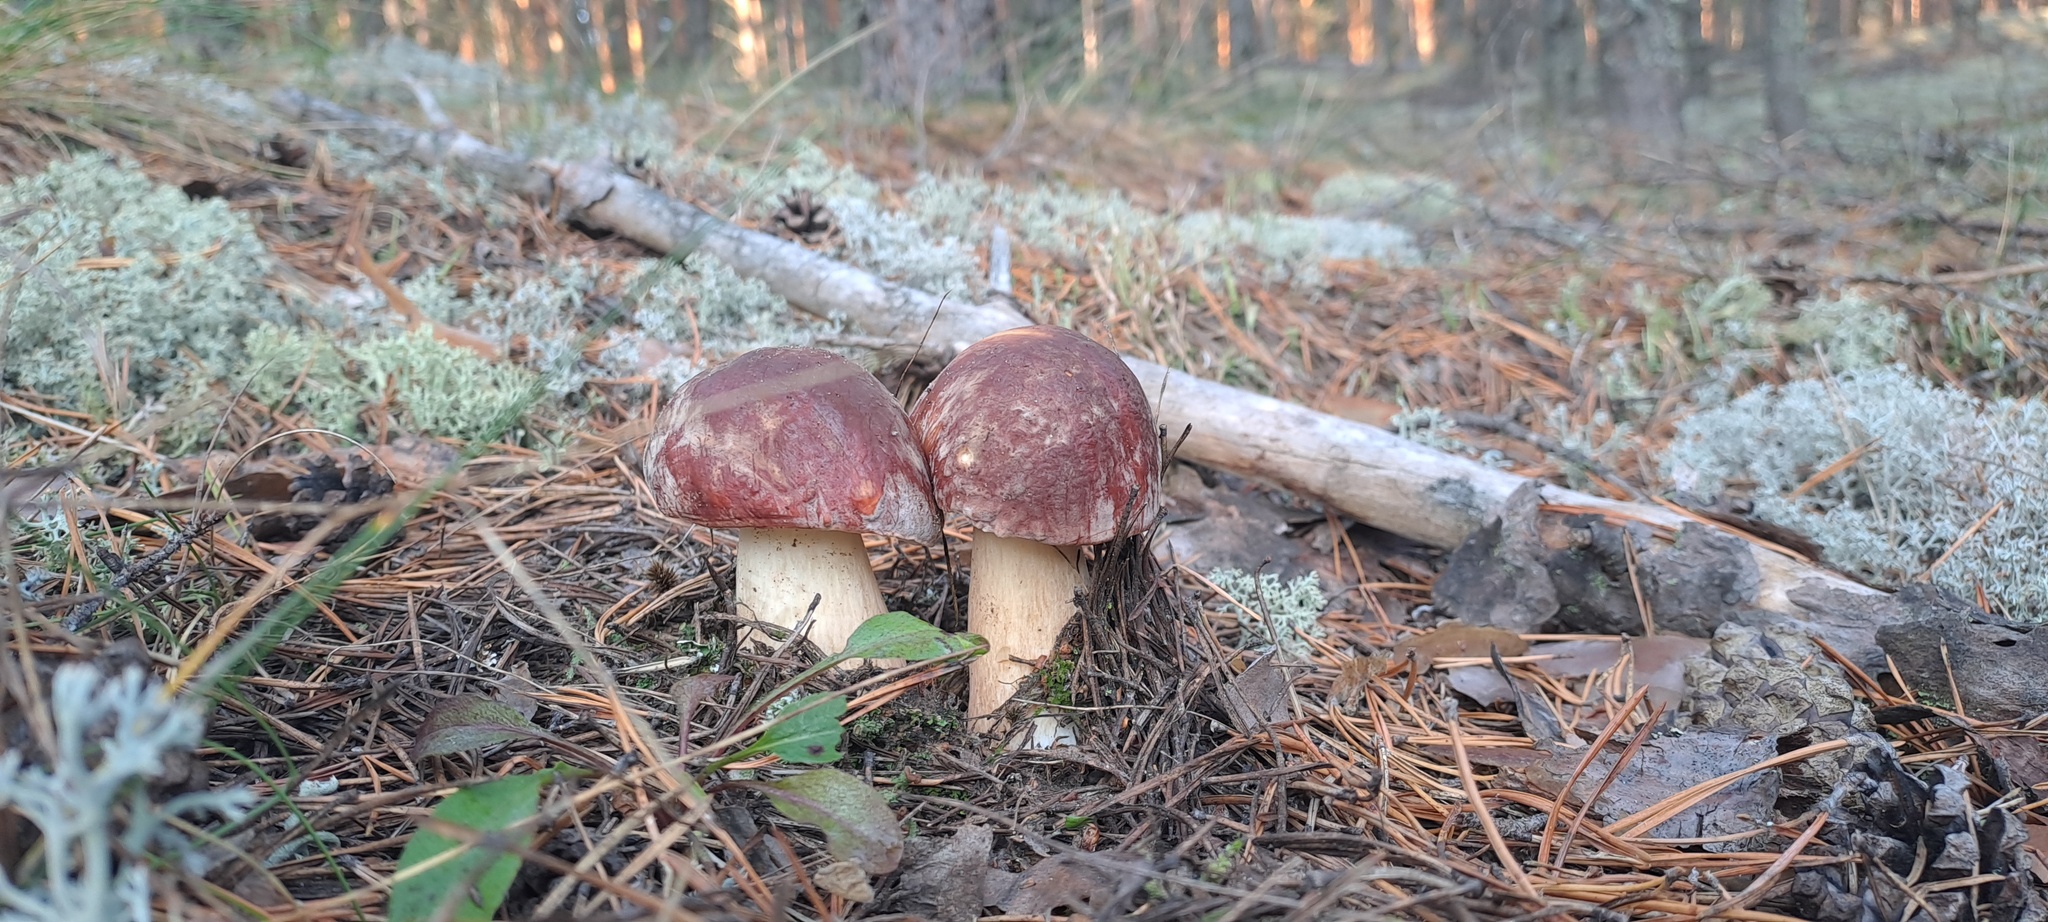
788 437
1041 433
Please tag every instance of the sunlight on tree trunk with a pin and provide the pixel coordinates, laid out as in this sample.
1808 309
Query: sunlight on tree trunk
558 50
1359 32
1222 34
529 55
1723 35
779 25
636 44
465 24
1305 33
798 42
1425 30
601 35
501 33
1091 56
1145 25
420 19
746 18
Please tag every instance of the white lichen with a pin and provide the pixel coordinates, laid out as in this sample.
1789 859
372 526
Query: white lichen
1291 250
894 246
1386 196
1283 610
1944 473
90 801
122 287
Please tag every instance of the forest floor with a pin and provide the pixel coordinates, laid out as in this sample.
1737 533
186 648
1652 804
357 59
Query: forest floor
383 618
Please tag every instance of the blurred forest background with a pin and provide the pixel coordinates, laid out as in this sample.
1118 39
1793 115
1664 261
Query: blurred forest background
1637 61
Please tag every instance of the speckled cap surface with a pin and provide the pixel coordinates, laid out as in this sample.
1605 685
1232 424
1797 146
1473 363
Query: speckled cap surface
1041 433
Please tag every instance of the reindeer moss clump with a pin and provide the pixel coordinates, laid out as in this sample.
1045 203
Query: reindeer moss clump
1424 200
1286 610
1939 463
701 305
134 288
427 386
894 246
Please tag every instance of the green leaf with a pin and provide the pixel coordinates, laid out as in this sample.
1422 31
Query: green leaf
859 827
902 635
466 722
807 731
478 878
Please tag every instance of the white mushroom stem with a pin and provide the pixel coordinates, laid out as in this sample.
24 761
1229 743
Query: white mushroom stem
781 569
1021 597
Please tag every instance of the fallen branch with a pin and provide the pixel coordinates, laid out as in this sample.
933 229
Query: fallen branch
1372 475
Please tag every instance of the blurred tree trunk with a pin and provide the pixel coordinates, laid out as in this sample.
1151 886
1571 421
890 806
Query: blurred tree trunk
1245 29
1269 40
932 52
1144 26
1389 32
1642 43
1826 17
1852 19
1725 14
1495 40
1455 31
691 22
1561 36
1783 24
1963 14
1698 54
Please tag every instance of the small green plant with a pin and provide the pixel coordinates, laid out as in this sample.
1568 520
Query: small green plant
1058 677
438 871
859 827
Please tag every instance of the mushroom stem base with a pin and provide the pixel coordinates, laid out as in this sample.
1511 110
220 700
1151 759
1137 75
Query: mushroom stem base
780 569
1021 598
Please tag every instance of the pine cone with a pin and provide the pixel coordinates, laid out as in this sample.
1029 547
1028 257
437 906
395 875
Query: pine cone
805 219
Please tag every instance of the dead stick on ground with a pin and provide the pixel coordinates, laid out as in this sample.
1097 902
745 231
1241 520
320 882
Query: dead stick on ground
1370 474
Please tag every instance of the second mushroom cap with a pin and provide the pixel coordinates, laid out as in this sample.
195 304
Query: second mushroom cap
1041 433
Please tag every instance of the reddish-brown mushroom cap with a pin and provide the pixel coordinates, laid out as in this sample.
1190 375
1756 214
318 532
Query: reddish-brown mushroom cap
1043 434
788 437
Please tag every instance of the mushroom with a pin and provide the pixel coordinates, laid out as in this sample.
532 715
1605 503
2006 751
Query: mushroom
801 451
1043 441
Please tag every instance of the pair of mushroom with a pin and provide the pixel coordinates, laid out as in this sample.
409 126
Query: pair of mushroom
1039 438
